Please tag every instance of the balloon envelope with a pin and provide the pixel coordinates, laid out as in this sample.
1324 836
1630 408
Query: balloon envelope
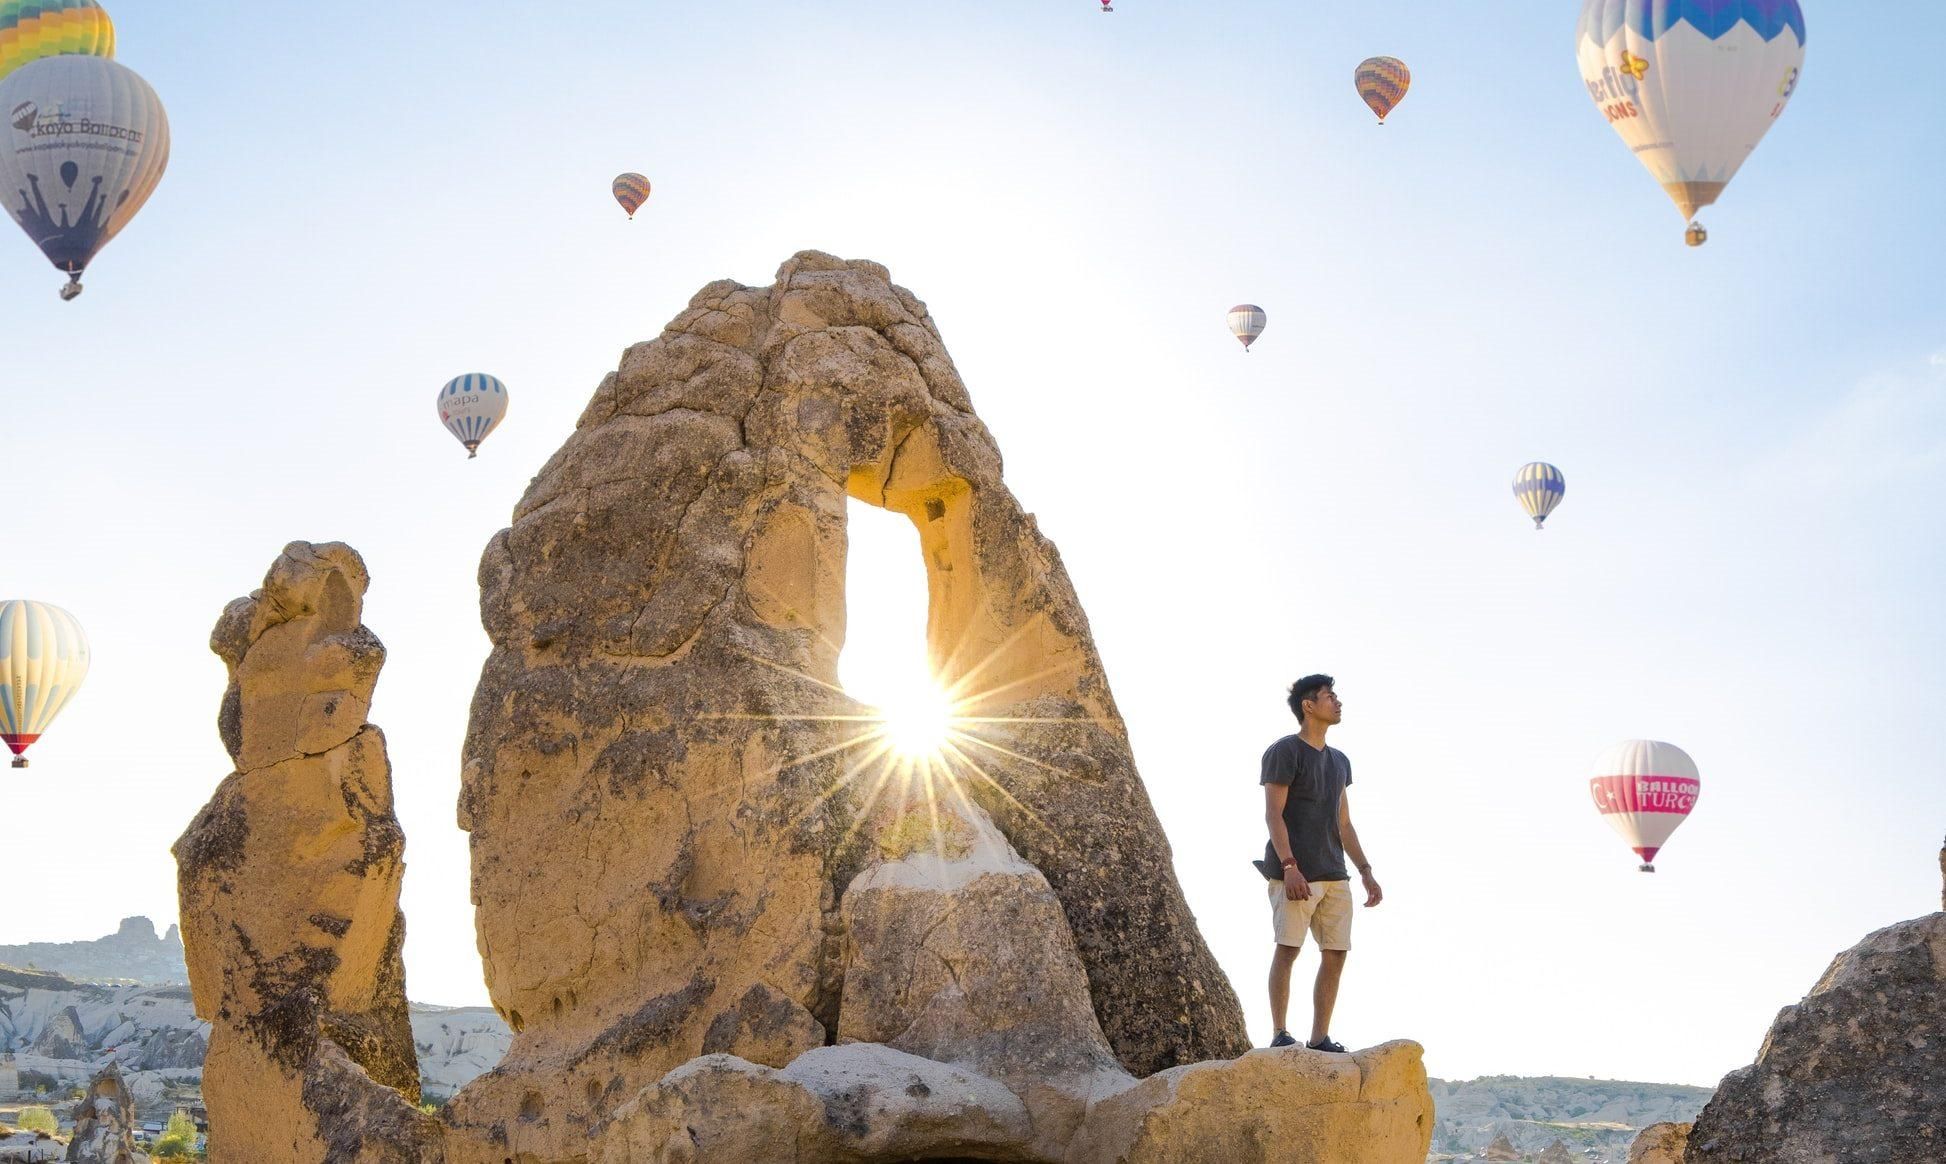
471 407
84 145
43 659
1540 487
1383 82
1691 85
1247 322
631 190
33 29
1645 789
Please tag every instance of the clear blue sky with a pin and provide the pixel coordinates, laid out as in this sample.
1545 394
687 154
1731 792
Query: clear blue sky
363 203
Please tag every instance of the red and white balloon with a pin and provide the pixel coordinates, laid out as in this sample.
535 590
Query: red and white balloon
1645 789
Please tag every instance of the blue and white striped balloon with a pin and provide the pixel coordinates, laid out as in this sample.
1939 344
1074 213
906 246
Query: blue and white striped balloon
1540 487
471 406
43 659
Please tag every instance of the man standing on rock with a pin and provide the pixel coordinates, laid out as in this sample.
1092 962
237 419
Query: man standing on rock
1309 814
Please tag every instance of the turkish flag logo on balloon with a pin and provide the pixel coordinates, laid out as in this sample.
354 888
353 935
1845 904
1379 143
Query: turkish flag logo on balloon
1645 789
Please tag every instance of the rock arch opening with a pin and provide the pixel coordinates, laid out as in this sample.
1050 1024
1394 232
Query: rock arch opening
884 657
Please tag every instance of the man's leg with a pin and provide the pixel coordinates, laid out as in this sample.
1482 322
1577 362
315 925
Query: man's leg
1280 986
1324 995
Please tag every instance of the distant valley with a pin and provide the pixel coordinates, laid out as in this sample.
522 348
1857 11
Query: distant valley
67 1009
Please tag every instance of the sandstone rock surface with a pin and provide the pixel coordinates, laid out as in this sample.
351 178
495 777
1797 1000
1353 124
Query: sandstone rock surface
661 712
1660 1144
289 882
104 1123
1371 1106
1502 1150
1556 1153
1856 1072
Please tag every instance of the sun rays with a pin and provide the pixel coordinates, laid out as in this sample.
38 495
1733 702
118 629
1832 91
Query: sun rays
927 755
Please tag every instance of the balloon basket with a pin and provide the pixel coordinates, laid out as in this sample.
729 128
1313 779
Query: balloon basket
1648 868
20 761
70 292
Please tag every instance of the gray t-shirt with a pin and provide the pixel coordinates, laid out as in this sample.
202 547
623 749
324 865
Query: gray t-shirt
1317 780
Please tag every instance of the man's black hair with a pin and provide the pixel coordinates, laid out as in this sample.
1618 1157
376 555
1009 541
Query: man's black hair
1307 688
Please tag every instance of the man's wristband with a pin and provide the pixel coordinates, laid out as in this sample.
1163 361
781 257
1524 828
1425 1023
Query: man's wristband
1364 870
1290 864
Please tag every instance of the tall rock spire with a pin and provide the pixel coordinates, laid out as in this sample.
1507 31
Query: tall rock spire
289 882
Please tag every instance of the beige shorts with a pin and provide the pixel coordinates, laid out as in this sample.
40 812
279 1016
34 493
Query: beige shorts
1326 913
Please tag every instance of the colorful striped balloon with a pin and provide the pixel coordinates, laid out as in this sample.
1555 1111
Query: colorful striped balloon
1383 82
1645 789
631 190
43 659
471 407
1247 322
32 29
1540 487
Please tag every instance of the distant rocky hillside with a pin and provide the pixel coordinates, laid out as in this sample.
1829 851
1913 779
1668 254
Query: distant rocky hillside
1532 1113
131 954
56 1032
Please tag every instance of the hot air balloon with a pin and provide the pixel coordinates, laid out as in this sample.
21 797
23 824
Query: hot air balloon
1691 85
1382 82
1645 789
1540 487
471 407
33 29
1247 322
631 190
85 143
1106 7
43 659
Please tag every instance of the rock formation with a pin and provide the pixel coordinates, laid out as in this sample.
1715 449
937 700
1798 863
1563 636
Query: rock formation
661 708
289 880
724 920
62 1038
1501 1150
104 1123
1556 1153
1660 1144
1855 1072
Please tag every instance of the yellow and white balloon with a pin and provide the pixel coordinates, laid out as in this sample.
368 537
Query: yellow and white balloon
43 659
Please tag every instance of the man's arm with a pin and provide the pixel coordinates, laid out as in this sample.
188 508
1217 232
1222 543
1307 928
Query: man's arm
1296 888
1356 851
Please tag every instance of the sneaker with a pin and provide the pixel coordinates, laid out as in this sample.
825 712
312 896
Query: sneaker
1283 1039
1327 1046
